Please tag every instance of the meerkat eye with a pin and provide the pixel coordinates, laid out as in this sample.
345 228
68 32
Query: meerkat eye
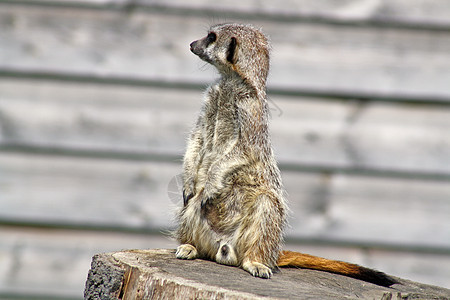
211 38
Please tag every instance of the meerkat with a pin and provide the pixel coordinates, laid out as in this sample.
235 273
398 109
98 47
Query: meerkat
234 207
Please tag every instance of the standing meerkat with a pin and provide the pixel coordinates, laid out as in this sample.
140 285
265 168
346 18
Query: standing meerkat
234 208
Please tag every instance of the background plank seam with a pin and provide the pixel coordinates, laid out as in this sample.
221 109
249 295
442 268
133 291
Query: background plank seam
128 6
77 77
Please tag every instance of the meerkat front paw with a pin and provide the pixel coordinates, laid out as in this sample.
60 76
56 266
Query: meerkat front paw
188 191
257 269
186 251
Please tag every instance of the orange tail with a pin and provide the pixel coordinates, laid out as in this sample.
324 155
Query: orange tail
300 260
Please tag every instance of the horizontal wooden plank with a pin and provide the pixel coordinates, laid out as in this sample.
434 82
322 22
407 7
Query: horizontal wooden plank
305 131
96 116
144 195
153 45
419 12
87 192
360 134
367 209
53 264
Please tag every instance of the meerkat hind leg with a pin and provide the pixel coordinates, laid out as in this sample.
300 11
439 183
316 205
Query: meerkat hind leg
257 269
186 251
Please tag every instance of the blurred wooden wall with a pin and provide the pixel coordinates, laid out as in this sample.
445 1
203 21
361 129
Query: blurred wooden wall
97 98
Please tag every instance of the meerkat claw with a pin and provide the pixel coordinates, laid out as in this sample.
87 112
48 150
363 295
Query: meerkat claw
205 202
187 197
257 269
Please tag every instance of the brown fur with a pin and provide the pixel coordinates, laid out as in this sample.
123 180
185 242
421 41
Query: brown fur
234 207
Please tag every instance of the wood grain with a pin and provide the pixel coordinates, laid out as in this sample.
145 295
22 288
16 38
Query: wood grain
412 139
130 195
148 274
97 98
416 13
53 264
86 191
153 46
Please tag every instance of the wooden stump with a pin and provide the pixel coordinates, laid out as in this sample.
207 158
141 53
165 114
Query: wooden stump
157 274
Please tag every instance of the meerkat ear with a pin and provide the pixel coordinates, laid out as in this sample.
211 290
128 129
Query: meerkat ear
231 50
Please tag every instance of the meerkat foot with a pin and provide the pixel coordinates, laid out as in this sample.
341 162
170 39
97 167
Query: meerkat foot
226 255
257 269
186 251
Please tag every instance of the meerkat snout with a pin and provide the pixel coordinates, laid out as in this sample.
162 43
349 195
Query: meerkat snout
193 47
199 47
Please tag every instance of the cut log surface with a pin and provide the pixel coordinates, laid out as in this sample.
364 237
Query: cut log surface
157 274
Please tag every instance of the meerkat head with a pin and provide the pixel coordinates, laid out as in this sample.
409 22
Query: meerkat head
236 49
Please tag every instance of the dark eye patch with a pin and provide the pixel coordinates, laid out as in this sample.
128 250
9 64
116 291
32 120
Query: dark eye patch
211 38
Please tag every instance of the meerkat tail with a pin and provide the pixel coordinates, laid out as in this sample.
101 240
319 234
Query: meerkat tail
300 260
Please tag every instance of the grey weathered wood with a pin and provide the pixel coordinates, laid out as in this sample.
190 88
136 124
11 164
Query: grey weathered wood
87 192
96 117
382 210
420 12
306 131
140 195
54 263
359 48
103 283
382 61
366 135
144 274
423 12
